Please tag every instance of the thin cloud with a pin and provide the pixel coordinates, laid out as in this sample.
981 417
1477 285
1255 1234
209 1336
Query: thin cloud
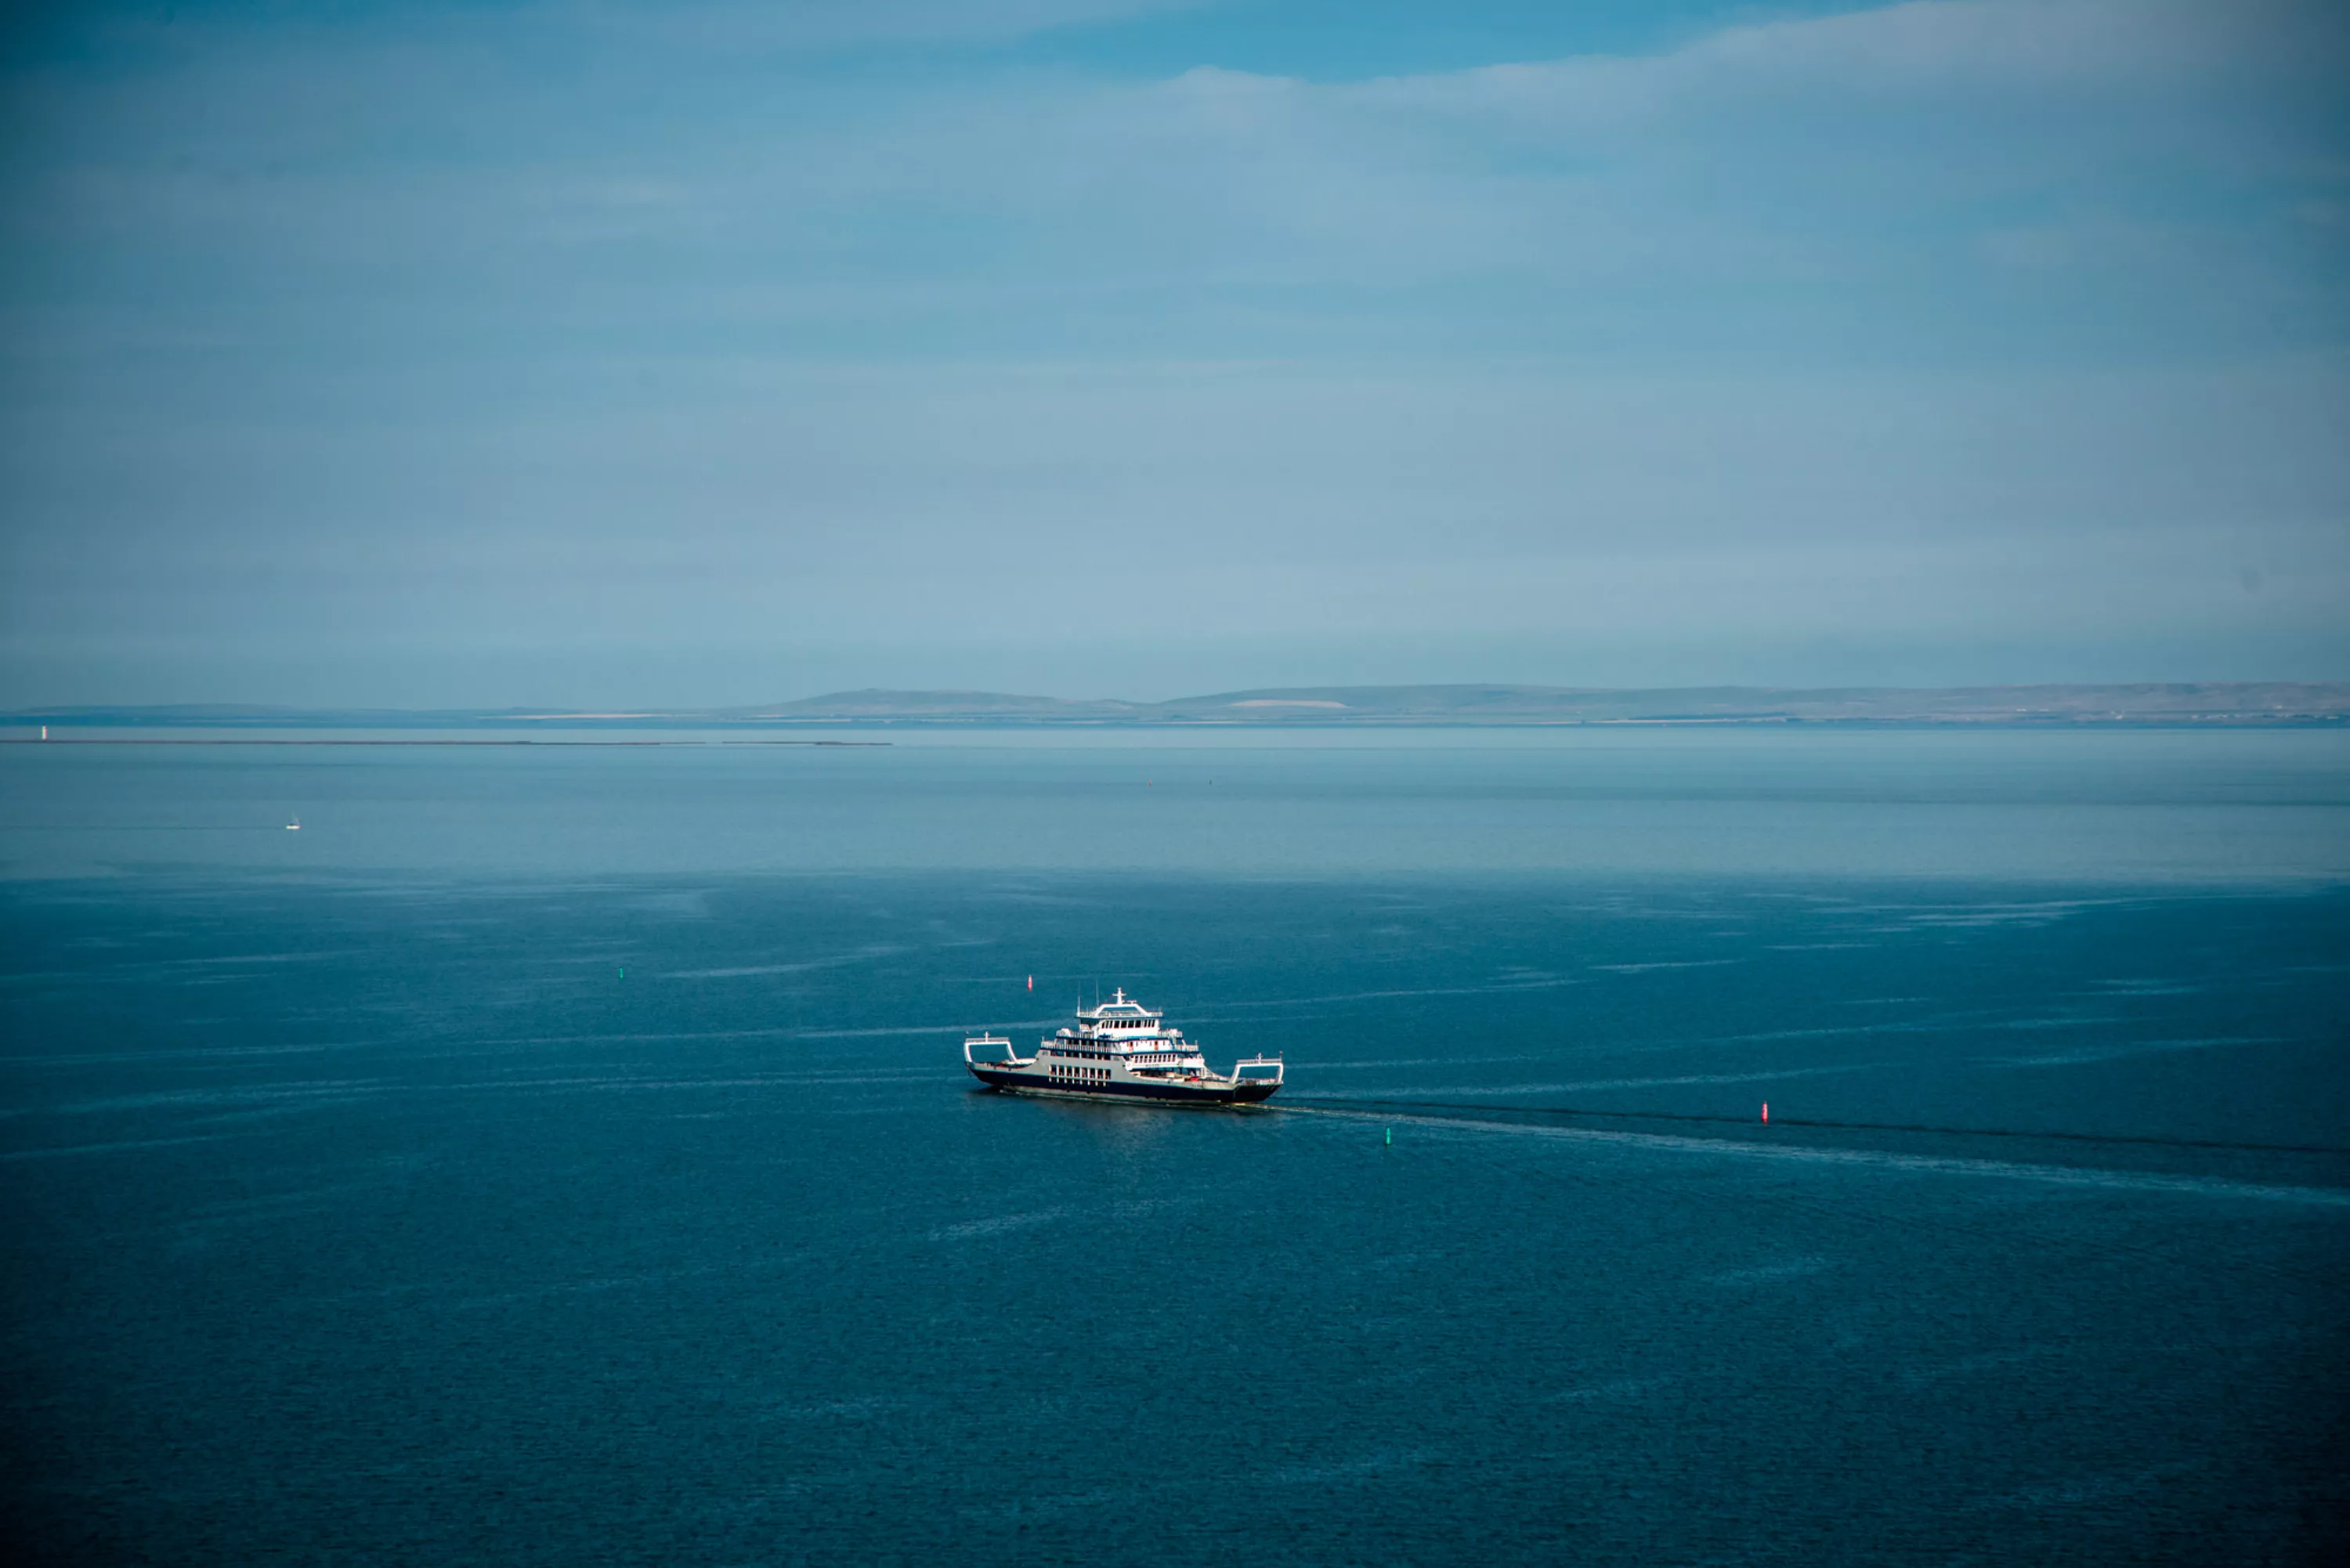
1968 324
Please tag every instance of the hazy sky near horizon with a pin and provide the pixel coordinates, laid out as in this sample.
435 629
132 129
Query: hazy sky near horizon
592 353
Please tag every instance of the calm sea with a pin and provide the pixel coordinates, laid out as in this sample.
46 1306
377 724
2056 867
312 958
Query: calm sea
553 1155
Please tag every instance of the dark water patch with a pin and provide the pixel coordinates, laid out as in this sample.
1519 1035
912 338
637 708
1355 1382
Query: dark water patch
124 1146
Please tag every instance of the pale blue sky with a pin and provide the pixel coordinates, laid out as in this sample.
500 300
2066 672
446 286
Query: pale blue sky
594 353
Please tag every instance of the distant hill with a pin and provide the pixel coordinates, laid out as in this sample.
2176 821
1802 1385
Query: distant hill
2208 703
874 703
2183 704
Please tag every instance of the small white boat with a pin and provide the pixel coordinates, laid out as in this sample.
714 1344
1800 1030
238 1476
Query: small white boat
1121 1050
295 825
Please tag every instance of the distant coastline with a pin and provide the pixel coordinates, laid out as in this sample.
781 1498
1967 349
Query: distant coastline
2196 705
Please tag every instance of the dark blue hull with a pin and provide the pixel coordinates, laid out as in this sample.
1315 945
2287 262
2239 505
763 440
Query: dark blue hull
1170 1094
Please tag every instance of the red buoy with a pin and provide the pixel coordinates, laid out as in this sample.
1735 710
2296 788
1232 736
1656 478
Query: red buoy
1766 1113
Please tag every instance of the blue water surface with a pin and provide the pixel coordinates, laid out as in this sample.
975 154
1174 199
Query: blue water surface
551 1155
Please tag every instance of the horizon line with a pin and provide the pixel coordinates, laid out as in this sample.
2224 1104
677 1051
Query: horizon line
1450 702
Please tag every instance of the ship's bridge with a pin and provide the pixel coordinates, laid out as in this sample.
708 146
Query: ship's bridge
1119 1017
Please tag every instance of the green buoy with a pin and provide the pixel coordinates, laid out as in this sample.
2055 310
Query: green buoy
1391 1143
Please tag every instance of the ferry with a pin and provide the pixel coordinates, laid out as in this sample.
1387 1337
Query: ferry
1121 1050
